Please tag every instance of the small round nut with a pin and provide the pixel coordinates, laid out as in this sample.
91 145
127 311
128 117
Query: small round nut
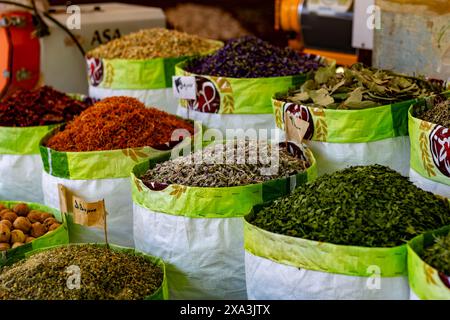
3 211
29 239
49 221
10 215
38 230
5 233
17 236
4 246
54 226
23 224
34 216
45 216
21 209
7 223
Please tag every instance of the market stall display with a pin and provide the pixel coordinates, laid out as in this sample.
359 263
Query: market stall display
142 64
108 273
235 84
429 123
25 117
25 227
429 265
353 113
93 156
189 210
341 236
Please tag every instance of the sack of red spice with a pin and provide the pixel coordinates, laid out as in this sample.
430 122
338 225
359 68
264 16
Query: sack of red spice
236 83
142 64
92 157
25 118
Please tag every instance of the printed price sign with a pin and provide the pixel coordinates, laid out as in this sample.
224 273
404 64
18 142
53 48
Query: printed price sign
184 87
295 128
90 214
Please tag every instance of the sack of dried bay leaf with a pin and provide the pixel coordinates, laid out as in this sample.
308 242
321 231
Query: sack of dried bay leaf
357 115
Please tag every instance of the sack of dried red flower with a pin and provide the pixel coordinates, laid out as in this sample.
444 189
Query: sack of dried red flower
93 157
26 117
142 64
235 84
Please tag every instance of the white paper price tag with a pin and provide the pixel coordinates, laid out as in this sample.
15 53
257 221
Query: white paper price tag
184 87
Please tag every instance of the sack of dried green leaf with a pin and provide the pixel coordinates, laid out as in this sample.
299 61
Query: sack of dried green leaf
85 272
429 265
356 116
142 64
429 133
341 236
190 213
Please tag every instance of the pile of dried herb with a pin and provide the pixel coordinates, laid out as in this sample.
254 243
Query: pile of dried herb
250 57
118 123
39 107
438 114
154 43
210 168
105 275
370 206
438 254
359 87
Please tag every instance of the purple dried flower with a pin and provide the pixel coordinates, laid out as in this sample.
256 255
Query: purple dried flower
250 57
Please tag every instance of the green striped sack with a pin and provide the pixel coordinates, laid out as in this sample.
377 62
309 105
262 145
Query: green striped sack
342 138
148 80
426 282
289 268
234 103
199 231
430 158
94 176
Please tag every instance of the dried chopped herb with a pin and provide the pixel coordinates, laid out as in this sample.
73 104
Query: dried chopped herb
118 123
105 275
39 107
250 57
154 43
359 87
370 206
439 113
209 167
438 254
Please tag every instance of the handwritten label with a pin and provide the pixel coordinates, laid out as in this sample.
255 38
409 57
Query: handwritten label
184 87
90 214
295 128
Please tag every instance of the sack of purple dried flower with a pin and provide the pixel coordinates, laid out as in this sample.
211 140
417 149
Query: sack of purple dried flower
236 83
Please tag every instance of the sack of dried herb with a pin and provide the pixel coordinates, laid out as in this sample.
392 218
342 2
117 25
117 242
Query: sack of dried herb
429 265
105 273
429 133
93 157
35 235
356 115
25 117
235 84
190 213
142 64
341 236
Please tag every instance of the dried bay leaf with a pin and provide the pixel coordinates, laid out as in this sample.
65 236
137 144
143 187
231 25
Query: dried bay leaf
321 97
